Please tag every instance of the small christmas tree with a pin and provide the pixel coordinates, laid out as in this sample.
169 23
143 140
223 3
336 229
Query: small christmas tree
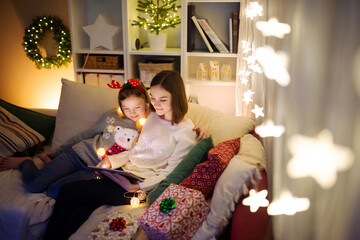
160 18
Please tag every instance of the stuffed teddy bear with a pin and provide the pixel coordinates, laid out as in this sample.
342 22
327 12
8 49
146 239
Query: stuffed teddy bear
124 138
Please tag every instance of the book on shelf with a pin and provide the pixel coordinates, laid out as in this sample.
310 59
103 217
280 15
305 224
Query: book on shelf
193 18
235 31
191 29
212 36
230 36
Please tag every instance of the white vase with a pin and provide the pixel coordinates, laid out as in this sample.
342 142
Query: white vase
157 42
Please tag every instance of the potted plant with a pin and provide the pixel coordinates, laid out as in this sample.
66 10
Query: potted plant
159 15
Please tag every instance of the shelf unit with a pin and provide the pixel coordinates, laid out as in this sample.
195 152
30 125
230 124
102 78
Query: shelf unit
122 12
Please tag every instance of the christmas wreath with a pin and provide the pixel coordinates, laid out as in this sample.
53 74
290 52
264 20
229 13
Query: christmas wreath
36 32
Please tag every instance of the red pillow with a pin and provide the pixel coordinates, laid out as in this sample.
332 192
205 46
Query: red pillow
206 174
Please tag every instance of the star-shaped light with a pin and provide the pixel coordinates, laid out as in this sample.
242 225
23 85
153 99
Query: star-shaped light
245 46
255 68
101 33
247 96
244 80
258 111
318 158
268 129
250 60
287 204
273 28
254 10
274 64
256 200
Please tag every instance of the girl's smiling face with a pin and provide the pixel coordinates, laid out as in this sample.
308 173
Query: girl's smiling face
134 107
161 101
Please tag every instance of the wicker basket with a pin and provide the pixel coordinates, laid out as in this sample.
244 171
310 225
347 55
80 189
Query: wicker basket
149 70
102 62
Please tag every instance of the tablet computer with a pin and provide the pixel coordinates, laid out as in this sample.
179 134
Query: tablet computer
129 175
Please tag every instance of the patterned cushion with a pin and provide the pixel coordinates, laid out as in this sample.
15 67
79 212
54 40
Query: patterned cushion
207 173
15 135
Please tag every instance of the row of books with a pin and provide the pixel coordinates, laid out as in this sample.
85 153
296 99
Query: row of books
212 41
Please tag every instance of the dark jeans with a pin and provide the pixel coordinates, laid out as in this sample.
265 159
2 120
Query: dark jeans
64 168
76 202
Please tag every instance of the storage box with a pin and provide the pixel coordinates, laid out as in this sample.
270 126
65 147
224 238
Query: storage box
149 70
103 61
182 221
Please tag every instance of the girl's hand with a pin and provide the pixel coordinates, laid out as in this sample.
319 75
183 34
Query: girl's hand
105 163
200 132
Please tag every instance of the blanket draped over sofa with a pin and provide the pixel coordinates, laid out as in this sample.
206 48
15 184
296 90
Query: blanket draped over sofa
24 215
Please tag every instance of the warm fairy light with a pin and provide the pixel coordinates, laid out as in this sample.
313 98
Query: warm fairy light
142 121
255 68
245 45
101 152
250 59
254 10
288 205
318 158
268 129
274 64
135 202
273 28
256 200
258 111
247 96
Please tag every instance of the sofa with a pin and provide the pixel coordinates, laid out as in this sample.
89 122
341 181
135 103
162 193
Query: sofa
24 215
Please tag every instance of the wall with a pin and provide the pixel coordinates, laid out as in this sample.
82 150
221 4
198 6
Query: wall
21 82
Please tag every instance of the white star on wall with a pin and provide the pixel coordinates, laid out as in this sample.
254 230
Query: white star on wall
258 111
101 33
318 158
287 204
273 28
256 200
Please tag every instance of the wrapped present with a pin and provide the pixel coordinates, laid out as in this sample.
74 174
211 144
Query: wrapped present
176 214
116 226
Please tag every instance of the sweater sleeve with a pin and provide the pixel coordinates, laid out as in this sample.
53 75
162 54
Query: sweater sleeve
185 141
97 128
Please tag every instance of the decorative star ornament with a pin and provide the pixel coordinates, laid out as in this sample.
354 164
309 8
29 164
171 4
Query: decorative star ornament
288 204
254 10
244 80
101 33
258 111
273 28
255 68
268 129
256 200
318 158
274 64
247 96
250 59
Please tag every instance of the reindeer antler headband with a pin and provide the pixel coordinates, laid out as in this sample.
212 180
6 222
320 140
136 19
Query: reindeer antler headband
131 83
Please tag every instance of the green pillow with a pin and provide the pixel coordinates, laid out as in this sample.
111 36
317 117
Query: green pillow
197 154
42 123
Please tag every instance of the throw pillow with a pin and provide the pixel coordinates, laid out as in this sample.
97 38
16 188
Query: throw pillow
196 155
15 135
206 174
231 185
42 123
80 107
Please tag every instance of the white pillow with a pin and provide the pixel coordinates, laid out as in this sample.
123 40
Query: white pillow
80 107
220 126
231 185
15 135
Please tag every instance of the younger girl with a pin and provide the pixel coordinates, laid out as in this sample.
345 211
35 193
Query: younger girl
71 159
164 141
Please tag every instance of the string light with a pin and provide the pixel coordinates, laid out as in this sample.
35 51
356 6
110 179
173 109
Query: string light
258 111
247 96
254 10
268 129
256 200
273 28
288 205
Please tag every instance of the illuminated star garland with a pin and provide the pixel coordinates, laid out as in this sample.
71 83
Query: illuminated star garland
36 32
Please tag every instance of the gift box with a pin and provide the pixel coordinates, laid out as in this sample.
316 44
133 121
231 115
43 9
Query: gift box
109 227
176 214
